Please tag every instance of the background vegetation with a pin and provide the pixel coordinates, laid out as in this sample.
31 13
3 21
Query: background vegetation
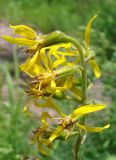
71 17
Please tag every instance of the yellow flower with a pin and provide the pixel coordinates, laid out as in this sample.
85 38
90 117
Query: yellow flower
49 70
95 68
92 62
29 37
45 135
87 31
24 31
69 120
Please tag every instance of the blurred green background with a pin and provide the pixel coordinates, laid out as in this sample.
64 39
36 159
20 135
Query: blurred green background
70 16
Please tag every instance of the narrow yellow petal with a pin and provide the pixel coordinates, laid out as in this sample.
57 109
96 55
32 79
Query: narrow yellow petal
34 59
44 58
25 31
32 70
59 62
25 109
20 41
38 134
77 113
50 62
71 53
95 68
52 51
93 129
30 67
41 149
53 86
59 46
87 31
58 131
44 117
68 83
51 104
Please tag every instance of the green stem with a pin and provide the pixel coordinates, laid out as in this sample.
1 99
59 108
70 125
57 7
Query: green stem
16 63
77 145
84 96
84 93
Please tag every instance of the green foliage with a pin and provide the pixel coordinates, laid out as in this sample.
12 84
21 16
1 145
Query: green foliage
111 158
62 15
14 126
109 78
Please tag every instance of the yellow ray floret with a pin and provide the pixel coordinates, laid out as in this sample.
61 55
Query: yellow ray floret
26 110
77 113
95 68
49 102
87 31
44 117
55 134
20 41
92 129
24 31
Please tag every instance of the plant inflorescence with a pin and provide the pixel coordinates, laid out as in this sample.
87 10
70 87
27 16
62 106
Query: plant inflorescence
56 69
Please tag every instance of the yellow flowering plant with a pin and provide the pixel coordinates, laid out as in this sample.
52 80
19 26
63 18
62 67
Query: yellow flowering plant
56 69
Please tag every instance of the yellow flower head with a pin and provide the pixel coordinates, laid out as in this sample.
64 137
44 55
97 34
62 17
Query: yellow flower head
44 135
49 70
